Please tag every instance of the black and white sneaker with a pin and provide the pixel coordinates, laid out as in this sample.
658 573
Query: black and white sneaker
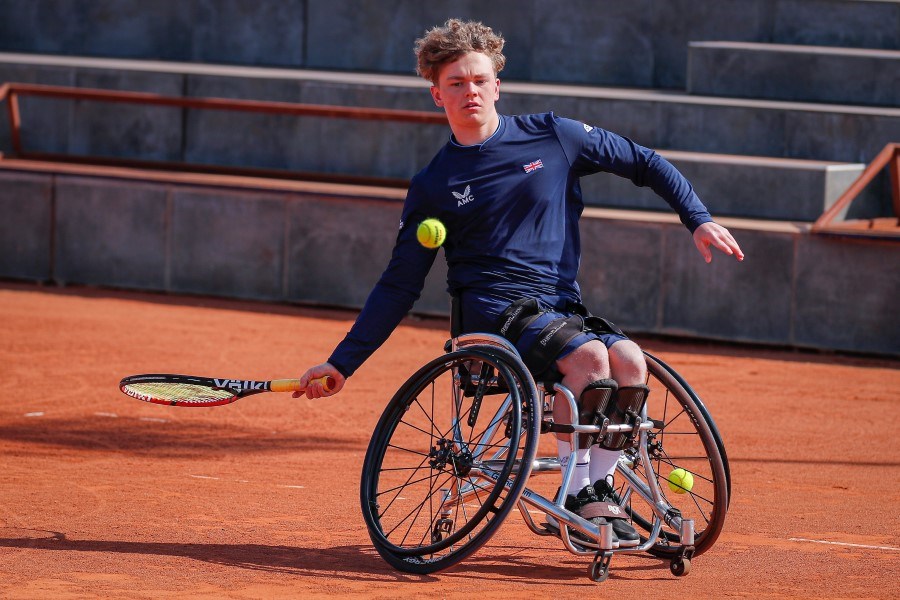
586 505
622 528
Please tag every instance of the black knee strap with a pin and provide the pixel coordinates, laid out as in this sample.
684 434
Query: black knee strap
629 402
593 323
595 401
517 316
551 340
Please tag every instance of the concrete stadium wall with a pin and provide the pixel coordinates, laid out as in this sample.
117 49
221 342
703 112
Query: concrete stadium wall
750 187
795 73
611 42
658 119
327 244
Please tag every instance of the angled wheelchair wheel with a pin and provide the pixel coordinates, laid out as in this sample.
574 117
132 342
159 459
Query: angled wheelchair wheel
685 437
449 458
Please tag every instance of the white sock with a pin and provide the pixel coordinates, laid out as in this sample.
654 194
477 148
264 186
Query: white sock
581 477
603 462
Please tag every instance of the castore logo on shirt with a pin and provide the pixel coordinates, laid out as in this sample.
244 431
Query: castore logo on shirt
465 197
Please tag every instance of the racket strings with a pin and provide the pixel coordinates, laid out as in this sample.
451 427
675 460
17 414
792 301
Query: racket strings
178 392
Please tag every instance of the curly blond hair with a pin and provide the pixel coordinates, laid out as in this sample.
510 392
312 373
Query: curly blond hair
447 43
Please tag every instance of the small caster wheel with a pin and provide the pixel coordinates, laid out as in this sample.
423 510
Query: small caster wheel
680 566
598 571
442 530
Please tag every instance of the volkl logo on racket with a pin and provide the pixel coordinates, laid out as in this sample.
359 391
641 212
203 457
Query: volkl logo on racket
237 384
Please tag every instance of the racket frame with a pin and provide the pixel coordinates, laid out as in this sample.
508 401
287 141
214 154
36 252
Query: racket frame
238 388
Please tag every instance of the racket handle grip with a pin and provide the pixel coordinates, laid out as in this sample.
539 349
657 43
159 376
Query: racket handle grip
327 382
293 385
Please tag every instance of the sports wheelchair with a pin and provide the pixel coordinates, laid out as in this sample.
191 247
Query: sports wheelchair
456 448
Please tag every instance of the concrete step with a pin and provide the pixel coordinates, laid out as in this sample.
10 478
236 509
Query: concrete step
678 121
838 23
628 42
654 118
796 73
744 186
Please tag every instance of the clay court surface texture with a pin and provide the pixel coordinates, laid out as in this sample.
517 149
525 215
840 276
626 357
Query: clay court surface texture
103 496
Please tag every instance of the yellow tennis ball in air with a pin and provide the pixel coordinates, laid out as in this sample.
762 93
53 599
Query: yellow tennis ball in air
681 481
431 233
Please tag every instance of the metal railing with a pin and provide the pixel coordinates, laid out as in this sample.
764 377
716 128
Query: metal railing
880 227
11 92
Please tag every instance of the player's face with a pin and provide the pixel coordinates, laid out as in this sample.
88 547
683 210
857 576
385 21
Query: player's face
467 90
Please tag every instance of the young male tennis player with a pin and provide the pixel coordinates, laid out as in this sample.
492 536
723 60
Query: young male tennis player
507 189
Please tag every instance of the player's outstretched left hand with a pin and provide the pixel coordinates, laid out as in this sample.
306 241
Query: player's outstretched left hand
713 234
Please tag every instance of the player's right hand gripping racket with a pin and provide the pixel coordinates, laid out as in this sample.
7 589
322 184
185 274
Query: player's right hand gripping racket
188 390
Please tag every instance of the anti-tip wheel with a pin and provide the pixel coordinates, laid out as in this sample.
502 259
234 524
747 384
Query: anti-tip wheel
680 567
598 571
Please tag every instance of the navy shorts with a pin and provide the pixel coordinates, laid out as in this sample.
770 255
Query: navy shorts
481 313
530 335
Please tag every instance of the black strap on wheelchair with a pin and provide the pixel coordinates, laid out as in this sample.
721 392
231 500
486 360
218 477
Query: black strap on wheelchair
555 336
594 406
551 340
518 316
628 404
593 323
455 316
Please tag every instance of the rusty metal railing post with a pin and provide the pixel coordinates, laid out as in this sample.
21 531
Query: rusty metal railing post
890 154
15 122
4 92
12 109
894 169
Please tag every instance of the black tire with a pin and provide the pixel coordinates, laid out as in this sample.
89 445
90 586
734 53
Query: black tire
704 411
417 451
688 439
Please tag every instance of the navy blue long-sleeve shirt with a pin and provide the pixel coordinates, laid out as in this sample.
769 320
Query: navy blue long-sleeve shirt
511 207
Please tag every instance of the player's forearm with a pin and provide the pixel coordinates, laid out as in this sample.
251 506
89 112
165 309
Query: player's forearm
646 168
669 184
383 311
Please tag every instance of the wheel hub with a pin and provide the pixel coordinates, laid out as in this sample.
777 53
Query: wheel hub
442 455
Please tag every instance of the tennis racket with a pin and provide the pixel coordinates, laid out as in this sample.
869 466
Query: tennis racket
188 390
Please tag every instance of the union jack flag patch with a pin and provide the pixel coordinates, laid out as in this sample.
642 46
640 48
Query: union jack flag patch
533 166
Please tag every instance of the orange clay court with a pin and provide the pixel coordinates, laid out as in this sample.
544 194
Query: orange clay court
105 496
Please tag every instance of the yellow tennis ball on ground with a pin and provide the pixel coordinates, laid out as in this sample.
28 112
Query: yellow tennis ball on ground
681 481
431 233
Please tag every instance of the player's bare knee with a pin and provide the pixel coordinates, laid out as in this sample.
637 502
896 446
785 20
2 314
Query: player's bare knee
589 362
627 363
